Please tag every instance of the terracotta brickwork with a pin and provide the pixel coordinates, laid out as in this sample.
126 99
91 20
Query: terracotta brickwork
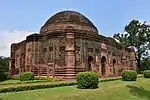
69 43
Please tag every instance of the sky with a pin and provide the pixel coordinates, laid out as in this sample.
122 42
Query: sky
19 18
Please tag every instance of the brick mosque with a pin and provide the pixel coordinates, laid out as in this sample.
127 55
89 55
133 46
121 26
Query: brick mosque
69 43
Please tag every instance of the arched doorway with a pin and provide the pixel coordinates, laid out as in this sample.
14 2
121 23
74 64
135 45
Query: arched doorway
114 64
103 64
90 59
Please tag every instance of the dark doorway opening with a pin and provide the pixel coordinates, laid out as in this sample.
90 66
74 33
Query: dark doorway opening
114 64
103 64
90 59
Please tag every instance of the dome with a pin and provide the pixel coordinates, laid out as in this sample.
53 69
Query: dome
62 20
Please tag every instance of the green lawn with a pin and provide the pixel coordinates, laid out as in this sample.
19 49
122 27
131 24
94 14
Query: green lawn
11 82
114 90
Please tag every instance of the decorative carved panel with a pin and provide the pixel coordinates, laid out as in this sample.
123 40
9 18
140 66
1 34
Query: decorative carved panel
97 51
62 48
50 49
70 42
90 50
44 50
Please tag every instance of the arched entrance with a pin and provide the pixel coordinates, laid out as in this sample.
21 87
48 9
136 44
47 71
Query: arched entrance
114 64
90 59
103 64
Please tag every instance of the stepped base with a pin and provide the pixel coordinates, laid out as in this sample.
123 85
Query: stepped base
70 73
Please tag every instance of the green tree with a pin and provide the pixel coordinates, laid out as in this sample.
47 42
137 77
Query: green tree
145 64
4 63
137 35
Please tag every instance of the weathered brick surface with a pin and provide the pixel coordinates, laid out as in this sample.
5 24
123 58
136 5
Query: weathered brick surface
69 43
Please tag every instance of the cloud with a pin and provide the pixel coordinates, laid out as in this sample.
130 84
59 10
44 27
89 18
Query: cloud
9 37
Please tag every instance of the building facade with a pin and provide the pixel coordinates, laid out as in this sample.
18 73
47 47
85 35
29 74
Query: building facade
69 43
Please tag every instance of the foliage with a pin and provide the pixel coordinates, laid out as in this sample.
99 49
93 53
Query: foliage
87 80
26 76
146 74
12 83
49 79
3 76
15 80
34 87
137 36
4 63
14 77
116 78
116 90
129 75
145 64
3 68
141 72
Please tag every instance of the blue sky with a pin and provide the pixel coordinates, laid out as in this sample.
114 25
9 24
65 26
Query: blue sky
19 18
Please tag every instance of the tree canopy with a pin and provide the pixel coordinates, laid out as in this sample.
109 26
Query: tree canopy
137 35
4 63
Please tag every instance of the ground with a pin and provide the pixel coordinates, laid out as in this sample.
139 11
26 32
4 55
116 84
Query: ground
114 90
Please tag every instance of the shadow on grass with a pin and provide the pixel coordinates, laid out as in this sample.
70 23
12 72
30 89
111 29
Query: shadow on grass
139 91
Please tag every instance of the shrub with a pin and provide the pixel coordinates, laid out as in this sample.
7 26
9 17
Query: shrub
141 72
43 78
3 76
146 74
14 77
26 76
110 79
87 80
49 79
129 75
34 87
57 79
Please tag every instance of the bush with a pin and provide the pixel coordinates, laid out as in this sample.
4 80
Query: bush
3 76
129 75
110 79
141 72
57 79
49 79
87 80
26 76
34 87
14 77
146 74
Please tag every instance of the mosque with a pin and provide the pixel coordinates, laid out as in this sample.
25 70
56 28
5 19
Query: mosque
69 43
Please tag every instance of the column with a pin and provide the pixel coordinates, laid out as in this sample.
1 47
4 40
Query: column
12 61
70 56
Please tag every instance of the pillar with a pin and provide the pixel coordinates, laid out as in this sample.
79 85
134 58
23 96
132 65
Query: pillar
70 56
12 60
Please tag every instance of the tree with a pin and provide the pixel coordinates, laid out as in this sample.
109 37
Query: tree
145 64
137 35
4 63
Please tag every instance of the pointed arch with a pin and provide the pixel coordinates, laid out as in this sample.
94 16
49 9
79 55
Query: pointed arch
114 64
103 65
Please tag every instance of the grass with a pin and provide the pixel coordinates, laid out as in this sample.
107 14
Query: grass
38 80
113 90
10 82
31 84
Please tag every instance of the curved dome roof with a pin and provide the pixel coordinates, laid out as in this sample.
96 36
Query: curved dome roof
68 18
